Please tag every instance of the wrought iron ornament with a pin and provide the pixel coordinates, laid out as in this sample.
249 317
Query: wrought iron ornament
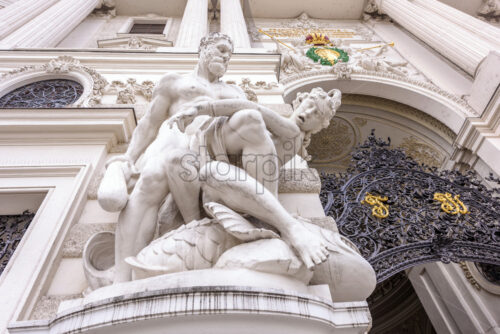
12 228
416 229
56 93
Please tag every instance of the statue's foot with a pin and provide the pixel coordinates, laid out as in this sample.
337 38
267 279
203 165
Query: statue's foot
309 247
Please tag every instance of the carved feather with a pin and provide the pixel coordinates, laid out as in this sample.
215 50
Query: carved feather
196 245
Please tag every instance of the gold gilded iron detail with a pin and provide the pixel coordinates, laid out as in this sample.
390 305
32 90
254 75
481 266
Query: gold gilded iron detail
451 204
379 210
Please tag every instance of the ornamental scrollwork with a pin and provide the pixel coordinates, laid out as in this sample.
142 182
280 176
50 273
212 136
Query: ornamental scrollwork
127 92
416 231
451 204
12 229
249 87
379 209
56 93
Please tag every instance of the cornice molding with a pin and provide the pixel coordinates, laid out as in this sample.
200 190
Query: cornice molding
349 73
128 63
67 125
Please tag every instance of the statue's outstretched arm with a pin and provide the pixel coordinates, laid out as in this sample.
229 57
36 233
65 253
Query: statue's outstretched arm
277 124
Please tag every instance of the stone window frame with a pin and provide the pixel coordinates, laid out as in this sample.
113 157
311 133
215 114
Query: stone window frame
127 26
36 163
22 281
13 82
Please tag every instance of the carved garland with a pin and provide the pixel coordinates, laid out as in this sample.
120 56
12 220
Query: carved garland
249 88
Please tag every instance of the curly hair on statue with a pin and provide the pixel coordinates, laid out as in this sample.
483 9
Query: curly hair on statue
212 38
327 103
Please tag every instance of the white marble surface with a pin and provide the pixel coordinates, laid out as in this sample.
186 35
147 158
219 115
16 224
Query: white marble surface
222 310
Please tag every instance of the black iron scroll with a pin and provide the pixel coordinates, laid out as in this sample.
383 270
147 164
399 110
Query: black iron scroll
400 213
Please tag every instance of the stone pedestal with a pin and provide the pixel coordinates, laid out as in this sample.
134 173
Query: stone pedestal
150 307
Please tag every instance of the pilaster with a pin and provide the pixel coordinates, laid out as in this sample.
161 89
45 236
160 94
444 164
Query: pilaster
233 23
19 13
481 29
51 26
194 24
457 44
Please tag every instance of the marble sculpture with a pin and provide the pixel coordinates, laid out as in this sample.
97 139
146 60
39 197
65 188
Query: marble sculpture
197 187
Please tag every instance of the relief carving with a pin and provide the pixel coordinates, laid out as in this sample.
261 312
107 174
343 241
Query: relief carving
490 11
422 152
333 143
249 87
127 92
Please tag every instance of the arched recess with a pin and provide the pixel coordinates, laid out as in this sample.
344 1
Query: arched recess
425 138
445 107
410 189
63 67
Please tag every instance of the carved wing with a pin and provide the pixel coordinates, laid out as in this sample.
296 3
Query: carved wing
196 245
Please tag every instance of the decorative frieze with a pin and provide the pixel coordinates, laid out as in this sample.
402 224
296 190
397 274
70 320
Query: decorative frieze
134 43
250 88
127 92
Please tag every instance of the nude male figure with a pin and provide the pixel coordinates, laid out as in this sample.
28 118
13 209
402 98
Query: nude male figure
244 134
173 94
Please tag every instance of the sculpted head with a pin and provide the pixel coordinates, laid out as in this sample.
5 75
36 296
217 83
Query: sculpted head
215 51
313 111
